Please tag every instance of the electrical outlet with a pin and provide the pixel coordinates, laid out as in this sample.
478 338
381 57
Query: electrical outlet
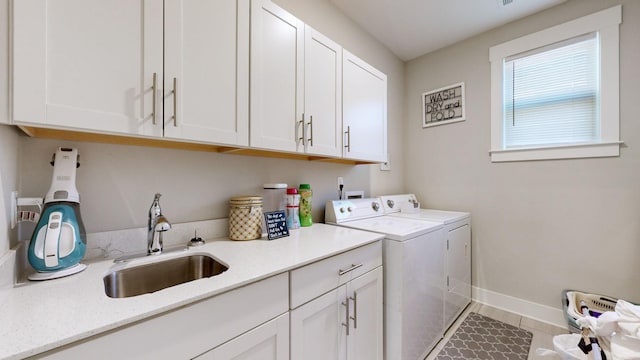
386 166
340 181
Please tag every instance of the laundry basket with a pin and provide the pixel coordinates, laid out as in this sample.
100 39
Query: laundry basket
597 304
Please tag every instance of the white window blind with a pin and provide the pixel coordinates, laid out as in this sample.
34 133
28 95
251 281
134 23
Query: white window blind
555 92
551 95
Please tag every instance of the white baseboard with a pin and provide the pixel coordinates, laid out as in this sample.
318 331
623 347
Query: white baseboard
544 313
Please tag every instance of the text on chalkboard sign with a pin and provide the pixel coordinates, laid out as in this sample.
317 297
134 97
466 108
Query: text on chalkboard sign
276 223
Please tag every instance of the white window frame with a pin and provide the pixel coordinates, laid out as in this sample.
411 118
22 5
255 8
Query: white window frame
606 24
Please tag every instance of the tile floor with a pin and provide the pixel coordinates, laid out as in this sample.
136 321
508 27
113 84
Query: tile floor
543 333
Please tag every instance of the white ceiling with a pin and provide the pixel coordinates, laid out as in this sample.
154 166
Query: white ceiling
411 28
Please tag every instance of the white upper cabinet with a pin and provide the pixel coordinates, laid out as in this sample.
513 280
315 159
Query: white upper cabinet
322 95
364 110
96 65
277 50
295 84
87 64
242 73
206 79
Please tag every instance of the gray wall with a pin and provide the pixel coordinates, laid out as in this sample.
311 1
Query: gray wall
542 226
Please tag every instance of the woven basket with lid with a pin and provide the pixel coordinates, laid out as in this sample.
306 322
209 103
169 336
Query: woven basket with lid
245 217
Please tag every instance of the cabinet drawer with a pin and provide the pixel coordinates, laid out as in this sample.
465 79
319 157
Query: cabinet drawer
320 277
189 331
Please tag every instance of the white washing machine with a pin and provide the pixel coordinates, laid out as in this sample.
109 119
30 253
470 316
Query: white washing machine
457 229
413 266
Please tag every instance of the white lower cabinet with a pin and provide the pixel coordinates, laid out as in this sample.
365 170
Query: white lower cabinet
195 329
269 341
328 310
316 328
344 323
365 339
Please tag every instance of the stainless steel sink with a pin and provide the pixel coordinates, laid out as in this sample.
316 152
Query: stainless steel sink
160 275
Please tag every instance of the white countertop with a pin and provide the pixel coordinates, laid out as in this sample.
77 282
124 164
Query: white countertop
41 316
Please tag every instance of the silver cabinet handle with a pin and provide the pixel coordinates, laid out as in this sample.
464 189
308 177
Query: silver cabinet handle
353 267
154 88
175 102
348 132
346 304
300 125
355 309
310 130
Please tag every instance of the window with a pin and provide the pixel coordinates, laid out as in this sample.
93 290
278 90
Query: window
554 93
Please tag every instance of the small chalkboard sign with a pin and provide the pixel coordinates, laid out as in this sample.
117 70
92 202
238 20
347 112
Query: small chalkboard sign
276 222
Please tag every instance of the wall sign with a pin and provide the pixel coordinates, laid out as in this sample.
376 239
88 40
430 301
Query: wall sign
443 106
276 222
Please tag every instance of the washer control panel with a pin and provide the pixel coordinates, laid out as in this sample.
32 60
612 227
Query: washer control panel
337 211
395 203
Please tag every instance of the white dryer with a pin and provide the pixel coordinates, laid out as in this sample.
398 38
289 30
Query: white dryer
457 229
413 255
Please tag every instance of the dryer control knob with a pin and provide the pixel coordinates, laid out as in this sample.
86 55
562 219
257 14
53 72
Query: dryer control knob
390 203
342 210
375 206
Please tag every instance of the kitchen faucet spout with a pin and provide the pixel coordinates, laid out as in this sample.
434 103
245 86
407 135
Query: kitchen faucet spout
157 225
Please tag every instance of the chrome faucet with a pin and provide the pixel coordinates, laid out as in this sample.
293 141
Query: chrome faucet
156 226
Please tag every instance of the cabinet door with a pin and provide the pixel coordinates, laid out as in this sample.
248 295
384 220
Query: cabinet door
277 50
316 330
206 82
364 110
269 341
88 64
364 341
322 95
458 263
